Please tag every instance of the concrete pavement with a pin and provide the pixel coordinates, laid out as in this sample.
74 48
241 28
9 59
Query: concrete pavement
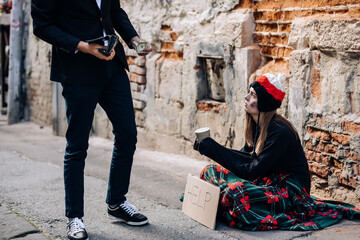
32 194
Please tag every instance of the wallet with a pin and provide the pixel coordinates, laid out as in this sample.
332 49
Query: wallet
112 42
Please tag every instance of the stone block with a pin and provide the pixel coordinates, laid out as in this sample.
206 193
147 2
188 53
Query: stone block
325 33
138 70
134 86
235 28
139 104
139 96
170 80
137 78
140 61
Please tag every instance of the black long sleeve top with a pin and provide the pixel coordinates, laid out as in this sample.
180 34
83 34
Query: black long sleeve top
282 153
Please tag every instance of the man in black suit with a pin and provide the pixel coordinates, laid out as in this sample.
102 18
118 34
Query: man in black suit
89 77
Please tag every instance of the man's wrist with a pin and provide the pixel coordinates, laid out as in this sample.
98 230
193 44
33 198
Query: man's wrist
82 46
135 41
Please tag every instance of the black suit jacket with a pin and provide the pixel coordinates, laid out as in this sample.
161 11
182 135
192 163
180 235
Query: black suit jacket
63 23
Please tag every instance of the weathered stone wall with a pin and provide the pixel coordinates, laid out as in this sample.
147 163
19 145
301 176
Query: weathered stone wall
37 67
230 42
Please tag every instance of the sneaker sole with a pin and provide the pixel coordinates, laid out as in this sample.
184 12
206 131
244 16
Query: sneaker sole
128 222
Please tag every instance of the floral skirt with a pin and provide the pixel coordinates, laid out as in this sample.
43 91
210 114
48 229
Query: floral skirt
274 202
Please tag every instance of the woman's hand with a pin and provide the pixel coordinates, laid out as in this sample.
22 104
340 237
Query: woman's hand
93 49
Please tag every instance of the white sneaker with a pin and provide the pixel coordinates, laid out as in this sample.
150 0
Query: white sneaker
76 230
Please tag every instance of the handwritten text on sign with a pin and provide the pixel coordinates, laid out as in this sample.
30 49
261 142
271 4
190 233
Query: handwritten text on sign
201 201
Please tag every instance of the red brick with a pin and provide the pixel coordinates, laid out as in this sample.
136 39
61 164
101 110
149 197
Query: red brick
356 168
322 147
316 58
284 40
322 171
275 39
131 60
137 78
178 56
341 11
350 127
289 15
174 36
280 52
338 164
286 27
317 3
259 27
270 51
340 138
353 155
275 15
287 52
209 106
291 3
351 182
167 46
244 4
319 134
339 2
260 38
316 84
261 15
268 5
270 27
354 12
303 13
316 12
318 157
166 28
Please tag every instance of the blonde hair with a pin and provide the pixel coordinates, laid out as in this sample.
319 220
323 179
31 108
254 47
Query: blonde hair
264 121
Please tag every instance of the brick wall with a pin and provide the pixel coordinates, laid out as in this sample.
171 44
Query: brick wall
331 149
137 76
273 20
168 48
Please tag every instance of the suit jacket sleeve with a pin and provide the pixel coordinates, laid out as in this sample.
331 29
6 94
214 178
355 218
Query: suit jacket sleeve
44 13
122 23
243 164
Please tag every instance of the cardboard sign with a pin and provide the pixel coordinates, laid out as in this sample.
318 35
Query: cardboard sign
201 201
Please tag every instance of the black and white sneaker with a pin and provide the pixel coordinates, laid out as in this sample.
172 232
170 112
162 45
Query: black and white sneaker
127 213
76 230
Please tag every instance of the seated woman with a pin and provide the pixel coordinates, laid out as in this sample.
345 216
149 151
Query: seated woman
266 184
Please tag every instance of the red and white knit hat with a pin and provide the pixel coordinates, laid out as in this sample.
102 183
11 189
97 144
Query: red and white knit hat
270 91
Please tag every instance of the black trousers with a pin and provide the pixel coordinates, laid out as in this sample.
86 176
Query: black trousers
113 94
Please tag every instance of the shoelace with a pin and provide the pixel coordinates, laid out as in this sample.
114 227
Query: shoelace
129 208
76 225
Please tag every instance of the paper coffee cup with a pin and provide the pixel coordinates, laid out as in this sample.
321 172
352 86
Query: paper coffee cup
202 133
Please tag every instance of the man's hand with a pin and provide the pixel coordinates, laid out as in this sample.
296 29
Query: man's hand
196 145
137 40
93 49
